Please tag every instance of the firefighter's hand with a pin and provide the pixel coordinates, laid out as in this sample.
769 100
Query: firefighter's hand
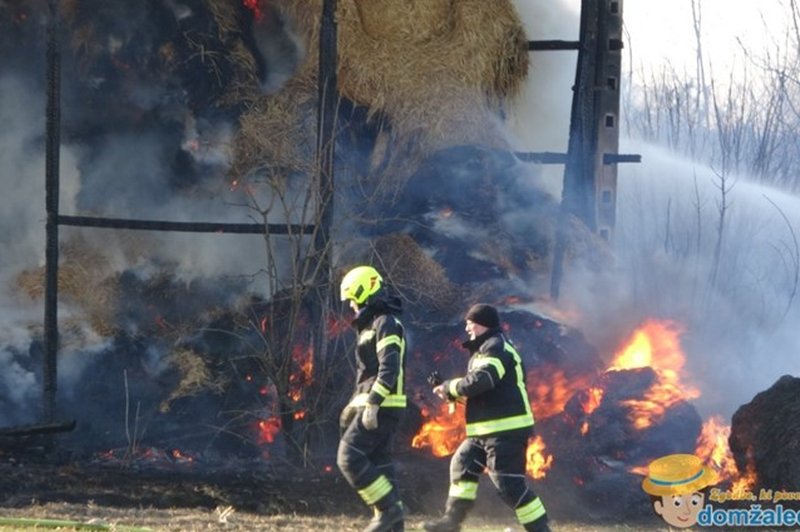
347 416
370 417
440 392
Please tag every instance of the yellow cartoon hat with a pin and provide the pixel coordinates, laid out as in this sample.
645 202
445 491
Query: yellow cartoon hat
677 474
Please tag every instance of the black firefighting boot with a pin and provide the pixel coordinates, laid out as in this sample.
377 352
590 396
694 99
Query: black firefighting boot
454 514
540 525
387 518
400 527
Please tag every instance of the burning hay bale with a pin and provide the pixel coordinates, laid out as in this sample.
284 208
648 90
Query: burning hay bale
605 432
437 70
765 436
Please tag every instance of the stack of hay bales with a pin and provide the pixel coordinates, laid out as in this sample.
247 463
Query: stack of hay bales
438 71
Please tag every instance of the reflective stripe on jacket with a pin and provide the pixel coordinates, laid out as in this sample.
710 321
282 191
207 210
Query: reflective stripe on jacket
380 363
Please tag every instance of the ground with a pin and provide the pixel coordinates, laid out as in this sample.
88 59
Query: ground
185 498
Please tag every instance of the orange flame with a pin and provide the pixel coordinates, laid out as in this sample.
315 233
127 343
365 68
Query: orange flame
712 447
443 431
303 358
538 462
656 344
746 482
592 400
647 411
550 389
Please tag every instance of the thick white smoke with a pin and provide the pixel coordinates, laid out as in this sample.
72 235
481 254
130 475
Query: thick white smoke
739 312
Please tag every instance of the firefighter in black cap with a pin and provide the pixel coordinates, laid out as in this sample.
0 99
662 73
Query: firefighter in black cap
370 419
499 421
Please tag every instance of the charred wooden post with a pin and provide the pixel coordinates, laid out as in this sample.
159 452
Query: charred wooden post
590 177
52 146
328 98
606 94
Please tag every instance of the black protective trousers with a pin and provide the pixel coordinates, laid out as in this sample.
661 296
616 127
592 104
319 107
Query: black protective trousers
504 456
365 458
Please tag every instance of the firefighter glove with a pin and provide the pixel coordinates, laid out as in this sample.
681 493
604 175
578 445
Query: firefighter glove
370 417
347 416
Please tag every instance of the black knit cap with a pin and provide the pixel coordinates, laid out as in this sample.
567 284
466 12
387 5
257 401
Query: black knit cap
485 315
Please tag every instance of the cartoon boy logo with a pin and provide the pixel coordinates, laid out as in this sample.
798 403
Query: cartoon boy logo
675 482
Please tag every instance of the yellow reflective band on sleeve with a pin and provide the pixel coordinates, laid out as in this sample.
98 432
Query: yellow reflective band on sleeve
393 339
482 428
463 489
451 387
528 513
394 401
376 491
380 389
520 378
496 363
390 401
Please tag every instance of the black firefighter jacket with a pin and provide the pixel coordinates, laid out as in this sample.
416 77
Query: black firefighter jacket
380 356
494 387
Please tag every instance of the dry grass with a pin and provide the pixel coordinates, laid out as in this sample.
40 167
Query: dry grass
191 520
417 276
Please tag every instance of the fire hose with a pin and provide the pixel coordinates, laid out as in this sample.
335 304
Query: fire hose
65 524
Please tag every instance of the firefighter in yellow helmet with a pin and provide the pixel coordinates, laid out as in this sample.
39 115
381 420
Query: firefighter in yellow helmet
371 417
499 420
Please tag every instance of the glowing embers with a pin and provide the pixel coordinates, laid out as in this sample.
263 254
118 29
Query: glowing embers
268 429
254 6
146 457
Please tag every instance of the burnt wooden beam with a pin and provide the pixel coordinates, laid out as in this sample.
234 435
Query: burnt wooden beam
30 430
550 157
613 158
542 157
186 227
553 45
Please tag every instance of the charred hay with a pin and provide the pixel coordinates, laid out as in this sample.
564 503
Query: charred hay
765 436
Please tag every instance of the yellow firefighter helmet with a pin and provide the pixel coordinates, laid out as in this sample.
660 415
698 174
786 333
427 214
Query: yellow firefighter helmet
360 283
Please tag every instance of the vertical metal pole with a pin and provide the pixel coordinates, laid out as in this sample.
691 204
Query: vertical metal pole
53 142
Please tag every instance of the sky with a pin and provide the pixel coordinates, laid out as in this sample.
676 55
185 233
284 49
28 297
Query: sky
663 32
